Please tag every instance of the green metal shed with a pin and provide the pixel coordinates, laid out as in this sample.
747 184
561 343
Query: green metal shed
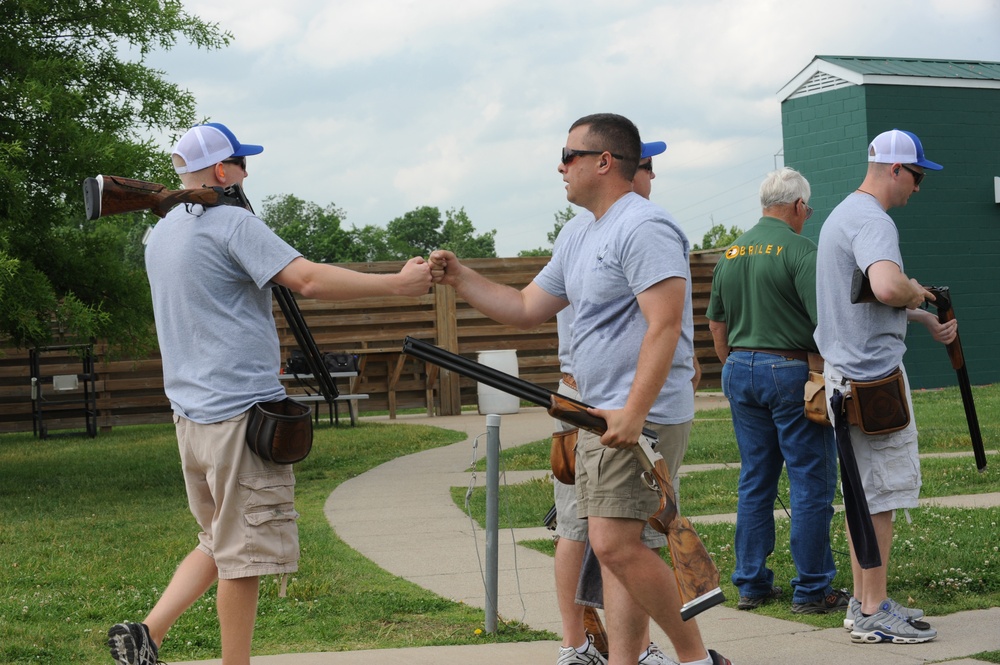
950 230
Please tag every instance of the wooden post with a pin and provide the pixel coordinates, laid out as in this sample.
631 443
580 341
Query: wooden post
446 323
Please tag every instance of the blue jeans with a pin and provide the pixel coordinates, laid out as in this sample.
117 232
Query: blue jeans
765 393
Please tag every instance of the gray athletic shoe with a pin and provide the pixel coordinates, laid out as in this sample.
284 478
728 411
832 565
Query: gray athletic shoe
131 644
911 614
887 626
570 656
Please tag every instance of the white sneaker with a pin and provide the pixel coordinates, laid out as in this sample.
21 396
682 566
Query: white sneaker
657 657
570 656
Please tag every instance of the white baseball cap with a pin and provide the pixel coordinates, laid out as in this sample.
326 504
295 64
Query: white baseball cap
208 144
898 146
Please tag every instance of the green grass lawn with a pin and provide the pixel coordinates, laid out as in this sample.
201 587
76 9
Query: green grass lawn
92 530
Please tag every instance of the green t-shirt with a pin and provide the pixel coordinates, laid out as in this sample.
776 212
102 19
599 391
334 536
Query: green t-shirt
764 289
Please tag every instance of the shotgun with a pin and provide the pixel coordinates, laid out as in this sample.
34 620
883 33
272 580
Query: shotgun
945 312
696 573
114 195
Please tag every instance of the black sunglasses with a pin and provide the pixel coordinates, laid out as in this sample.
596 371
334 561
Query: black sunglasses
569 155
917 175
648 166
240 161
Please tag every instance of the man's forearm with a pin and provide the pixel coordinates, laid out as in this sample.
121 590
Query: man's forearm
720 339
500 302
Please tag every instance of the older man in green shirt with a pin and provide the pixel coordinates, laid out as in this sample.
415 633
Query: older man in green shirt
762 314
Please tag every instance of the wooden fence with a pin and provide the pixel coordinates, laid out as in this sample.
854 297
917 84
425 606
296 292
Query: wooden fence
130 391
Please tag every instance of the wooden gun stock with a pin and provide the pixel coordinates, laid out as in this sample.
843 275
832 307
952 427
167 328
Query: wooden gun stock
699 591
696 573
946 312
114 195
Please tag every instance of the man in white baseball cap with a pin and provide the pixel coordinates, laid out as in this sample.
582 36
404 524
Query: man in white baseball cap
865 342
211 271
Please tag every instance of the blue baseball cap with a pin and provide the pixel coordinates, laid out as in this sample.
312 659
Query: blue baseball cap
651 149
898 146
205 145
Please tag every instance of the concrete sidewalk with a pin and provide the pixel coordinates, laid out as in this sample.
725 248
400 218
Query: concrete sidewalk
401 516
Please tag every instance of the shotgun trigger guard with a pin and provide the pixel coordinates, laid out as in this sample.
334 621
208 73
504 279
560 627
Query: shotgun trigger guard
650 481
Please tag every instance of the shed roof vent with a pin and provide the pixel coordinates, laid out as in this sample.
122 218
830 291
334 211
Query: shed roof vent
819 82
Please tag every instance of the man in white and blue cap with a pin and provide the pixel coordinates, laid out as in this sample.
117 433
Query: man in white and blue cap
864 342
211 271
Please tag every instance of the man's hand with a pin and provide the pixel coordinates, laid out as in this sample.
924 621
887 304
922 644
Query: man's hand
623 430
945 333
414 278
444 266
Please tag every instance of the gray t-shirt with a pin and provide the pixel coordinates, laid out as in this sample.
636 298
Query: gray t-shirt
564 319
210 273
600 267
863 341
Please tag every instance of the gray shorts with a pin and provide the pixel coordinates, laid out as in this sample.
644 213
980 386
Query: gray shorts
889 464
569 524
243 504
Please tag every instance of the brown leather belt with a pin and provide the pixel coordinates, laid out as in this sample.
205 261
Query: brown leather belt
794 354
569 380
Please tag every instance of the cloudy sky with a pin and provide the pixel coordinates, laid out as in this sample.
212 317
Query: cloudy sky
381 106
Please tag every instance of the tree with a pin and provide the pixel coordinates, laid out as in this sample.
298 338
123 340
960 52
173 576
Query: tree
314 231
718 236
72 106
415 233
562 217
421 231
370 243
458 235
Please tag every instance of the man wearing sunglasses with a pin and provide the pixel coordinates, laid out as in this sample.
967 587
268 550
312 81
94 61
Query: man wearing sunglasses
211 271
866 341
762 314
627 276
576 589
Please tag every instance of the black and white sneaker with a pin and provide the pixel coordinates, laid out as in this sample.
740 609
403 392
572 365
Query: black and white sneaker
131 644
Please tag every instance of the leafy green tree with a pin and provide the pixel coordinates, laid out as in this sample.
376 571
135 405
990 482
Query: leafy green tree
562 217
370 243
421 231
416 232
314 231
459 236
72 105
718 236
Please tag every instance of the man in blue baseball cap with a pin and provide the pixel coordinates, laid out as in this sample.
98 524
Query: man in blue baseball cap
578 575
864 342
626 272
211 271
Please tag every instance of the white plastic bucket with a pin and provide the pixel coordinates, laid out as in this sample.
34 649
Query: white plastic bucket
492 400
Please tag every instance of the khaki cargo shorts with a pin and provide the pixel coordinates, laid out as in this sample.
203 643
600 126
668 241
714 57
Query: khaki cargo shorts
609 480
243 504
